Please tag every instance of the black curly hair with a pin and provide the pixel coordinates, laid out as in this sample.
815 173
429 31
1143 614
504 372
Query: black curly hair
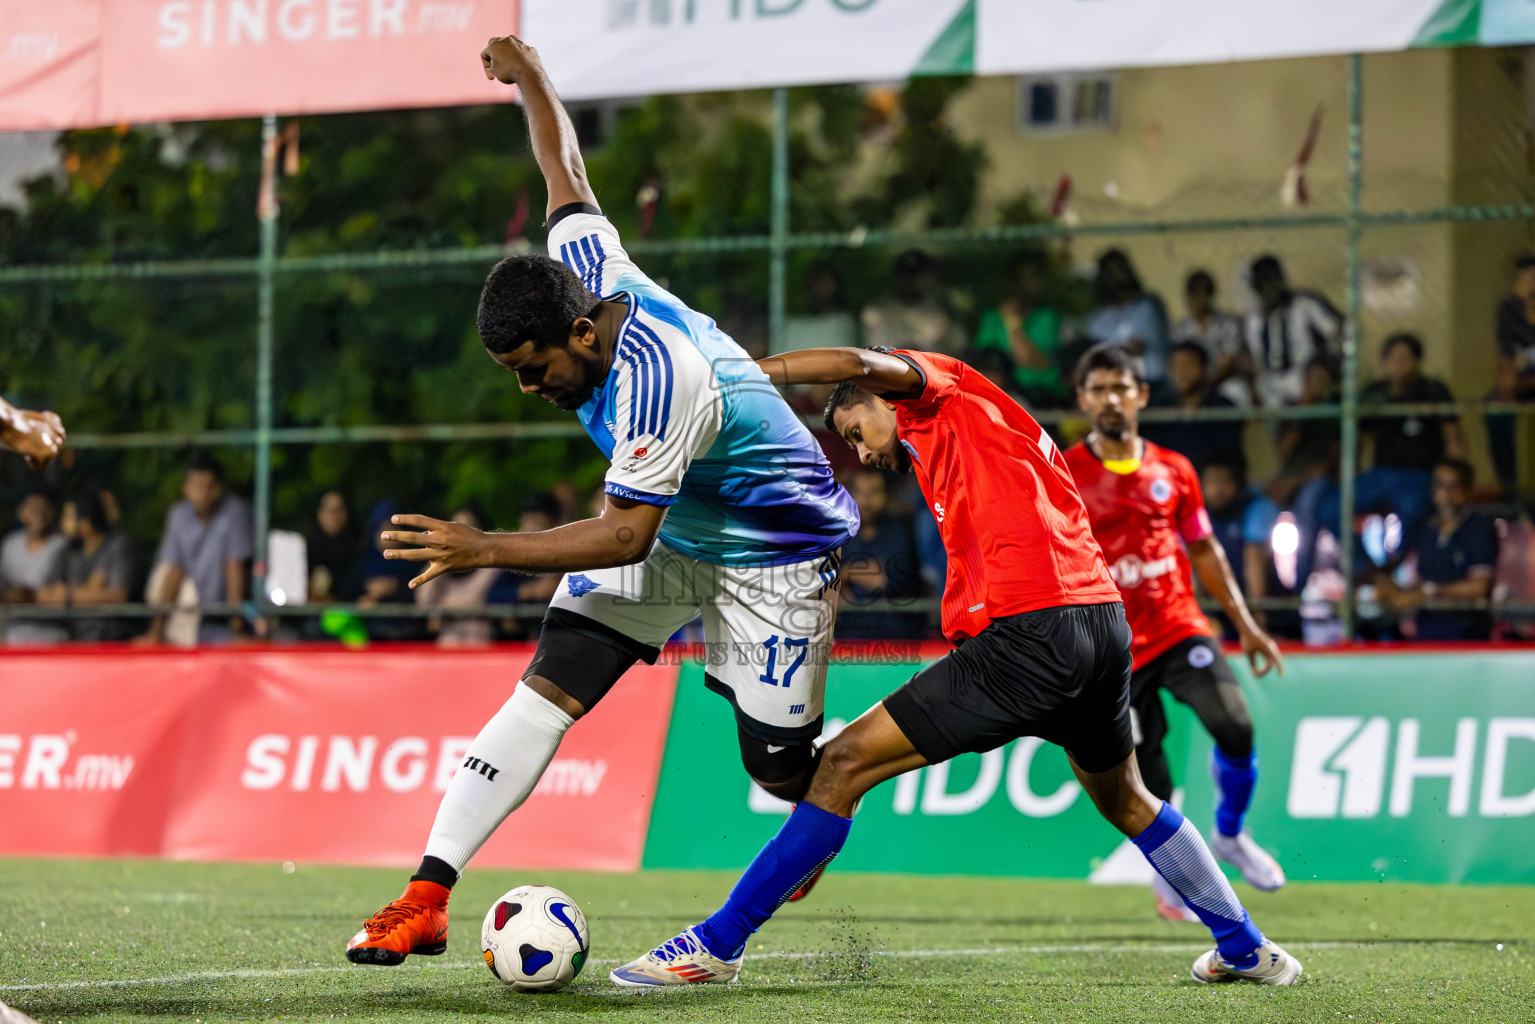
847 393
531 298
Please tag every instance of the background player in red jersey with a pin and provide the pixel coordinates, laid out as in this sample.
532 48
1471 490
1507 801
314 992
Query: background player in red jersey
1043 649
1149 517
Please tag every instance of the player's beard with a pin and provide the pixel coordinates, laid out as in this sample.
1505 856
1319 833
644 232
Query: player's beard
572 401
902 459
1113 426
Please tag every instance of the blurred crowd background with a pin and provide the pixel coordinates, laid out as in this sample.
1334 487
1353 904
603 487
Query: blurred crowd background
1241 325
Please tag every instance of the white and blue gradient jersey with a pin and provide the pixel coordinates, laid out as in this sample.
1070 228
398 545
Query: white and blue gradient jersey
691 422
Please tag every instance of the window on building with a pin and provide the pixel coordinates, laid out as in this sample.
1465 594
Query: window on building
1067 102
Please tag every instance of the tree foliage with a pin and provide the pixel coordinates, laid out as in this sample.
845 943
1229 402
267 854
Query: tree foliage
399 346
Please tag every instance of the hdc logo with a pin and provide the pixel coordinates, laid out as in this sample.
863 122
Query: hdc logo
1340 767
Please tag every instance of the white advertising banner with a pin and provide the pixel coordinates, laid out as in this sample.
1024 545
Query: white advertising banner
1016 36
600 48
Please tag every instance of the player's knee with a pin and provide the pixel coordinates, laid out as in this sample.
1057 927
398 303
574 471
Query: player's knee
554 695
844 761
783 770
1235 735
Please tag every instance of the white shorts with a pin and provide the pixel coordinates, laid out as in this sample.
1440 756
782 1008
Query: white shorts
767 629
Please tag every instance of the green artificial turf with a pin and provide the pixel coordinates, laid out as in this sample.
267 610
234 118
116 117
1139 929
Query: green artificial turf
148 941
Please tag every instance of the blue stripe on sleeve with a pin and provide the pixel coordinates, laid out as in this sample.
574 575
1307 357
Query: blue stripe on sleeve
645 497
664 382
602 259
593 278
576 260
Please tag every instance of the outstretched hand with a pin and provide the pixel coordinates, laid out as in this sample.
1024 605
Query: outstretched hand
37 435
509 60
1262 653
444 546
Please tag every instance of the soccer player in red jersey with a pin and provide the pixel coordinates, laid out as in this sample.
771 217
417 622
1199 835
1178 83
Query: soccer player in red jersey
1149 517
1042 649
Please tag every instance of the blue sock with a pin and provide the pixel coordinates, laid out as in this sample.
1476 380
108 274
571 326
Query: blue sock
1180 855
808 840
1236 777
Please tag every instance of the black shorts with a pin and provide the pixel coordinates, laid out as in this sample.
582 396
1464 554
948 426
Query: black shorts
1197 674
1062 674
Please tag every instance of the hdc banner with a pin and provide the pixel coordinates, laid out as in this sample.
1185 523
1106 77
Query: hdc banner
1410 767
304 756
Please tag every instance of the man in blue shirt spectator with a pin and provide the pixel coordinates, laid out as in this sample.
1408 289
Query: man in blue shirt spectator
1242 518
1457 553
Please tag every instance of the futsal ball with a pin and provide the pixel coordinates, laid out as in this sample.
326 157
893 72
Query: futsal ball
535 939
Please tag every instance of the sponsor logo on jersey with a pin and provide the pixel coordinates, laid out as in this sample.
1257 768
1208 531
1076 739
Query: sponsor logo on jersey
796 709
641 452
1201 656
1161 490
580 584
1131 570
938 511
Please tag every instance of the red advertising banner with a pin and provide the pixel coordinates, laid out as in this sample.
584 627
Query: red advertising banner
304 756
78 63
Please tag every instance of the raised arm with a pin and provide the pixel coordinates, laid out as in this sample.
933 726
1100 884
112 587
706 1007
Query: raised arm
873 371
37 435
510 60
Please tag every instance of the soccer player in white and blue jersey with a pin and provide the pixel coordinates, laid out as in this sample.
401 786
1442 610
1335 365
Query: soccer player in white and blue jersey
720 503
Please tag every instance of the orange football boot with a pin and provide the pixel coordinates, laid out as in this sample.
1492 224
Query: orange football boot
417 922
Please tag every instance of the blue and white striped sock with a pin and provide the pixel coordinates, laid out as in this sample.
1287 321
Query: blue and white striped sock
1178 852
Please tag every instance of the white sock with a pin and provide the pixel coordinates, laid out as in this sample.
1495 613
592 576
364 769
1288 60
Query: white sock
504 763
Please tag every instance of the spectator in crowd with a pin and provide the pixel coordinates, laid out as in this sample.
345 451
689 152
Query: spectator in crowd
1128 315
1243 519
1456 553
1514 370
29 558
914 316
997 366
1028 331
1220 335
96 568
1406 447
376 581
879 564
1287 331
462 590
1188 389
332 547
204 555
1307 482
542 512
827 321
567 501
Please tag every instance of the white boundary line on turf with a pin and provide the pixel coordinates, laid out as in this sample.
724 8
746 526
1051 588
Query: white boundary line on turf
907 954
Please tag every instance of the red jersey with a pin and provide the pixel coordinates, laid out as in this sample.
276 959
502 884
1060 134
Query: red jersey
1142 520
1014 527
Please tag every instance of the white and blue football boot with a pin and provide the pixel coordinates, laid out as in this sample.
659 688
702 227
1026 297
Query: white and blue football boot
679 961
1273 967
1259 869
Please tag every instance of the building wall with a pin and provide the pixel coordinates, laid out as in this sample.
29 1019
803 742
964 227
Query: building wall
1215 141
